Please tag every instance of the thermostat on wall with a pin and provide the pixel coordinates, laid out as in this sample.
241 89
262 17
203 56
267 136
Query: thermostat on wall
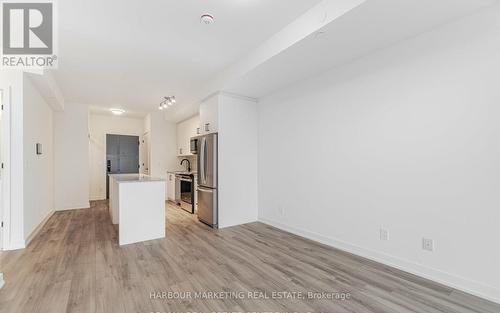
39 148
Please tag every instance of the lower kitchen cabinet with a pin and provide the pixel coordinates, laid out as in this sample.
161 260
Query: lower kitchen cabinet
171 186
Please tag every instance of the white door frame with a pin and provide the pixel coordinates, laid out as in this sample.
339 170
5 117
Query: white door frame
144 154
5 171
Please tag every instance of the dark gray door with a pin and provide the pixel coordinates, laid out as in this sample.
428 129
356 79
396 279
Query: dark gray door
122 156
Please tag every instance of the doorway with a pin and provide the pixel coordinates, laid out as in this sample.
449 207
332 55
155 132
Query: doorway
1 174
144 154
122 156
5 120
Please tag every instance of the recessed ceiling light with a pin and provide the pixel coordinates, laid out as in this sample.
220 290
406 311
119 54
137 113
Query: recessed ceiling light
117 111
207 19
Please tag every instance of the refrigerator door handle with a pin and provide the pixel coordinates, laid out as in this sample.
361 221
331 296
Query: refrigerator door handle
206 190
205 160
202 161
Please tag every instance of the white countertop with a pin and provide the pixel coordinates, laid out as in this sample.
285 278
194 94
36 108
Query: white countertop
183 172
134 178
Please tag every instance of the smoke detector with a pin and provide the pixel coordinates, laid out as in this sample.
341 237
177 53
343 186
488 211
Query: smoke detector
207 19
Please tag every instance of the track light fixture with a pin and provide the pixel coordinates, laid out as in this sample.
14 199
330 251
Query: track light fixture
166 102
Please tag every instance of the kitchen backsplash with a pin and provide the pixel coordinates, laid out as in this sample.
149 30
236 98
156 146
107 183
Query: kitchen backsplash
192 159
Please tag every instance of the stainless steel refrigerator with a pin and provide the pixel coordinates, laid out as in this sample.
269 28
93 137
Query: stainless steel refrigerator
207 180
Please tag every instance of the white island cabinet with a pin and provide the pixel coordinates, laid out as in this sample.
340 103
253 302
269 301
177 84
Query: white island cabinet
137 205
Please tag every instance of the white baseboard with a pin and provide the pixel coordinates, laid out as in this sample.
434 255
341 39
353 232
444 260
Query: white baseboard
15 246
232 224
98 198
469 286
38 228
85 205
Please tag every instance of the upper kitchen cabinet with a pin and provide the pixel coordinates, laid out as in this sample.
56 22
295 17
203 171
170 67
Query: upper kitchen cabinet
209 115
186 130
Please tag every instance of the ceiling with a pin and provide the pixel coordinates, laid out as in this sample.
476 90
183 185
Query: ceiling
129 54
371 26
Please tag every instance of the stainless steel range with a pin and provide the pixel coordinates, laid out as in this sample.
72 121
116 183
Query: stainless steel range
185 191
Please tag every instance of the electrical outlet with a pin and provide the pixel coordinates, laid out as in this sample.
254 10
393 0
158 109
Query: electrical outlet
428 244
384 234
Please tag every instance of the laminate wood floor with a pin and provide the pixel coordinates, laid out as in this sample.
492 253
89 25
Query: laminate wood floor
75 265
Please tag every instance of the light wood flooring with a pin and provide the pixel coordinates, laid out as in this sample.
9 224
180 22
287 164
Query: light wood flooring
75 265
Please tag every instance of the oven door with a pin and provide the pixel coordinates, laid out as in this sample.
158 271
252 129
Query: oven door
186 190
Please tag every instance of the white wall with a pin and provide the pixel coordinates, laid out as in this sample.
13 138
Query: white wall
38 169
32 179
99 126
406 139
238 198
14 231
71 157
163 145
185 130
172 162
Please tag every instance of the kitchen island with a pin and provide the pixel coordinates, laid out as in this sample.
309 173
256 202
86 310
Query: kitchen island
137 205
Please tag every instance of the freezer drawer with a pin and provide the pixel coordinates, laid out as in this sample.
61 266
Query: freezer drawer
207 206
